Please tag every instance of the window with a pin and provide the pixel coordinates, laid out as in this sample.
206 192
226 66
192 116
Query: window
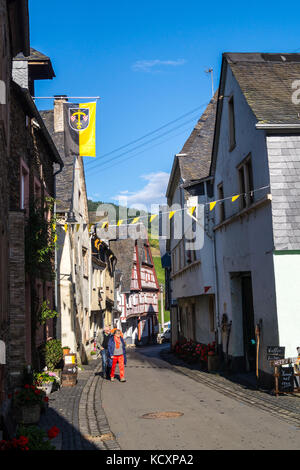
85 262
231 122
245 175
221 204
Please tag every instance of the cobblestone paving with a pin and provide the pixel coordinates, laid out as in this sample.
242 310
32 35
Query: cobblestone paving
286 407
78 413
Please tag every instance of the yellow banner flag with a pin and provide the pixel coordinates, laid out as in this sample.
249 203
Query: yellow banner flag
212 205
234 198
66 227
153 217
87 137
171 214
90 226
77 227
119 222
135 220
104 225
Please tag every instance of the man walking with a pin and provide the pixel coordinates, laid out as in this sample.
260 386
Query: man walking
117 354
102 342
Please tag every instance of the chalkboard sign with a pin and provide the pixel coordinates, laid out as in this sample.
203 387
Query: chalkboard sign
286 379
275 352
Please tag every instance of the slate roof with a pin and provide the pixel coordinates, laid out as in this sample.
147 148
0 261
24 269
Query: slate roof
64 180
195 163
266 82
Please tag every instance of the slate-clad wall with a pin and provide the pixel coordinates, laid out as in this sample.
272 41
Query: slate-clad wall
284 165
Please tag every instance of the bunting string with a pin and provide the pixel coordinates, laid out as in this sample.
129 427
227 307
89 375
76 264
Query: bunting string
190 211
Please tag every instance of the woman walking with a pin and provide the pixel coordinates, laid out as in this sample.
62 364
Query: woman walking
117 354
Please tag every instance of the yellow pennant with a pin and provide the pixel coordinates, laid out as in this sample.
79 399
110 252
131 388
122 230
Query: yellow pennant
191 210
66 227
212 205
135 220
171 214
119 222
90 226
153 217
104 225
234 198
55 238
77 227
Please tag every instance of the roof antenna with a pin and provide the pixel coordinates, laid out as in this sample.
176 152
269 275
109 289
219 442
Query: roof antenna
212 80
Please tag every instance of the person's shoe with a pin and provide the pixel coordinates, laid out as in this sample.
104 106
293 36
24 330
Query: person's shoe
122 380
112 379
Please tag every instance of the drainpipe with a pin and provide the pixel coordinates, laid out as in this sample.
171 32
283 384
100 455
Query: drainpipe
55 251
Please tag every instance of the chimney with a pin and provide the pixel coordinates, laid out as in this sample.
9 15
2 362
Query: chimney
59 100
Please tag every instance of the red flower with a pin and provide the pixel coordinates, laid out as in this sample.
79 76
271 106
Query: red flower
46 399
32 386
23 440
37 392
26 386
53 432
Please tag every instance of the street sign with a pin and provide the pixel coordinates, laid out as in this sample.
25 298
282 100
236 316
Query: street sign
275 352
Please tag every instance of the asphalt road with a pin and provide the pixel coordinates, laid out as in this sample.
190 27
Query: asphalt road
210 420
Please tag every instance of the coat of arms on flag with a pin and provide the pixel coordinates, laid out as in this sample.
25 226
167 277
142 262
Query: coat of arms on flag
79 118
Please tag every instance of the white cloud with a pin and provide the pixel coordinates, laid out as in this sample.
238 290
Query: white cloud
152 193
153 65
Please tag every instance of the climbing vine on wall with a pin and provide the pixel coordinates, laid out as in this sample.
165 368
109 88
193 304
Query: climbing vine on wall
40 237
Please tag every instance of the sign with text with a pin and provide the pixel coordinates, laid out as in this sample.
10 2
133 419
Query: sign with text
286 379
275 352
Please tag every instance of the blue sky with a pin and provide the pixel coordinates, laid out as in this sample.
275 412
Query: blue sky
147 61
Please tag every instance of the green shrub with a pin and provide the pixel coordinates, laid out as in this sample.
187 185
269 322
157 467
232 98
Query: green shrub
53 353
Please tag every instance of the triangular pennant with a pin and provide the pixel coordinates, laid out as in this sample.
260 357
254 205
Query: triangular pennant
105 224
212 205
119 222
191 210
77 227
135 220
153 217
66 227
171 214
90 226
234 198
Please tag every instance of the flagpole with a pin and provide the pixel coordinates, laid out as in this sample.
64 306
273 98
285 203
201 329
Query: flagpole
71 97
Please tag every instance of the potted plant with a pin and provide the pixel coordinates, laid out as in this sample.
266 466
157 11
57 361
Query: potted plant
44 381
66 350
27 404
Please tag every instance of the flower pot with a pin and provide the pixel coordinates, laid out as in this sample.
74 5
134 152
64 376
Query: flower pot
46 387
66 351
28 414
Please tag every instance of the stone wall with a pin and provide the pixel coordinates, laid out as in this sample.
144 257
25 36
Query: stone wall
17 315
